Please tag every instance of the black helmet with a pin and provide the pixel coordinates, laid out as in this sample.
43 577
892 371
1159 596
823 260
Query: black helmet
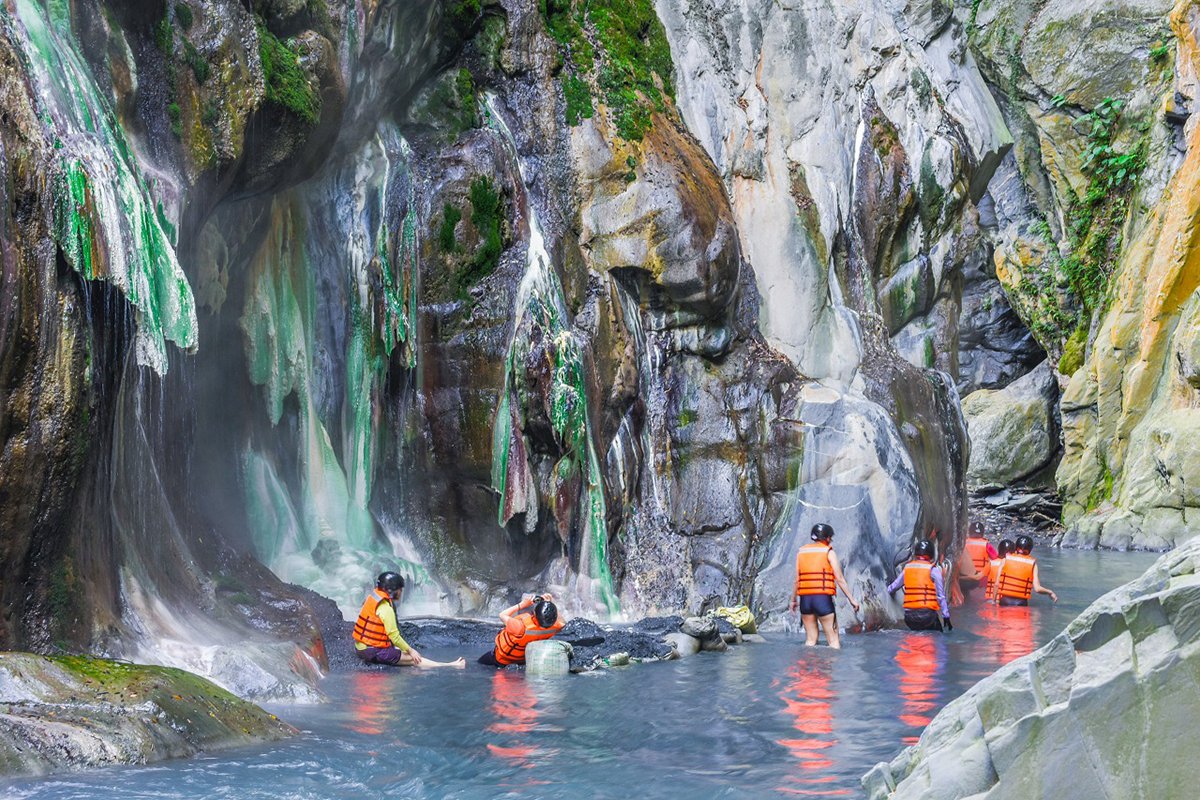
977 528
1005 547
1023 545
545 612
923 549
389 581
821 532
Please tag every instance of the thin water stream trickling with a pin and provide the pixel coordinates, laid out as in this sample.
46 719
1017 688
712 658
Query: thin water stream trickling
759 720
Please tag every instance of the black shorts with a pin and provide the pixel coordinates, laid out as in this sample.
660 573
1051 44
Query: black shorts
922 619
489 658
1013 601
820 605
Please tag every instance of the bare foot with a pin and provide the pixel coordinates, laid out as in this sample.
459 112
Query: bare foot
458 663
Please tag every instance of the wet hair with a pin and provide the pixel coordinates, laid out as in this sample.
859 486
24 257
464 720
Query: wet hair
546 613
1005 547
390 581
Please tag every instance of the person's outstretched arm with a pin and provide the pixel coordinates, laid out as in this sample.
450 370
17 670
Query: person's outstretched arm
1037 586
387 615
507 614
939 585
840 580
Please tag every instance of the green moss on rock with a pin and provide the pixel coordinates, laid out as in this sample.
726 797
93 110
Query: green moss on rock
287 85
631 68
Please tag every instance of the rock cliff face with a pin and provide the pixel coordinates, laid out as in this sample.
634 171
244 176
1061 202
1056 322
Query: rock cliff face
1091 225
1109 696
613 297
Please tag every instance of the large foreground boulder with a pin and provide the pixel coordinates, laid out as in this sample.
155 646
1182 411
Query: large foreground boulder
1106 709
74 712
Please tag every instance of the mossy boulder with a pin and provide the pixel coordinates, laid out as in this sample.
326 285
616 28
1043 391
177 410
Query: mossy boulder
73 712
1013 431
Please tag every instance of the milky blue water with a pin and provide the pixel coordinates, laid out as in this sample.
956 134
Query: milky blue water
759 720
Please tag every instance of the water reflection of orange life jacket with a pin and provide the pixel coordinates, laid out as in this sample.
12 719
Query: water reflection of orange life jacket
919 588
814 573
976 549
369 629
1016 576
510 647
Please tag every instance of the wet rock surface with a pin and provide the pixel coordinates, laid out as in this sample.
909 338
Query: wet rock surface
591 643
1111 697
74 712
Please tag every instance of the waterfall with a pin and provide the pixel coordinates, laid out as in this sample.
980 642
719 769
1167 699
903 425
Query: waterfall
330 240
106 223
541 321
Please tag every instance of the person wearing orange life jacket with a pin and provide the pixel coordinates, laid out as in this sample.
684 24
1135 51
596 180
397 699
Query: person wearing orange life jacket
1002 550
818 577
1018 578
977 552
377 638
925 606
539 622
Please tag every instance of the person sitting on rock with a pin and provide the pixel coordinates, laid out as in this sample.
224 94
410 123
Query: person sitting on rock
925 606
977 552
1018 577
818 577
1002 549
541 622
377 638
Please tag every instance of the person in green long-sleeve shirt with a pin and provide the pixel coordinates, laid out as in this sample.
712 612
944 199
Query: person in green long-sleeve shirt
377 638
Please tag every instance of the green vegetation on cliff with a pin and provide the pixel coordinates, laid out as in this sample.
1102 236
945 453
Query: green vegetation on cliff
616 49
286 84
1096 218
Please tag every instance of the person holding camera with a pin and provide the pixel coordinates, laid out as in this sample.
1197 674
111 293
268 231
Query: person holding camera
531 620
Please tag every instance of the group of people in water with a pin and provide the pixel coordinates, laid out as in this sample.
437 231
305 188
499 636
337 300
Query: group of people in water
1008 573
377 638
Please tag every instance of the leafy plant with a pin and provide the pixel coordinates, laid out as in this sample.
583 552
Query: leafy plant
286 84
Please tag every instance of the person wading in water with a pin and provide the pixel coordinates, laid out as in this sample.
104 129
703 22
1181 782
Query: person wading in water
818 577
925 606
377 638
1018 578
540 622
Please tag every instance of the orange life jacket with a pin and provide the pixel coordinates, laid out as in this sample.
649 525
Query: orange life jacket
976 549
510 649
992 574
369 629
919 588
814 573
1016 576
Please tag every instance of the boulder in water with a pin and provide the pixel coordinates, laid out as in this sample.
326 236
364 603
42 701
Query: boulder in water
75 712
682 644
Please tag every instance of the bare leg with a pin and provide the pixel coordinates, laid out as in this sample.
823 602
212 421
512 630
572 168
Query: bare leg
406 661
810 629
829 625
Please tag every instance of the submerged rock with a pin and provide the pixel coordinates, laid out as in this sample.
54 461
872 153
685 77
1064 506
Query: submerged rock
72 712
1100 711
